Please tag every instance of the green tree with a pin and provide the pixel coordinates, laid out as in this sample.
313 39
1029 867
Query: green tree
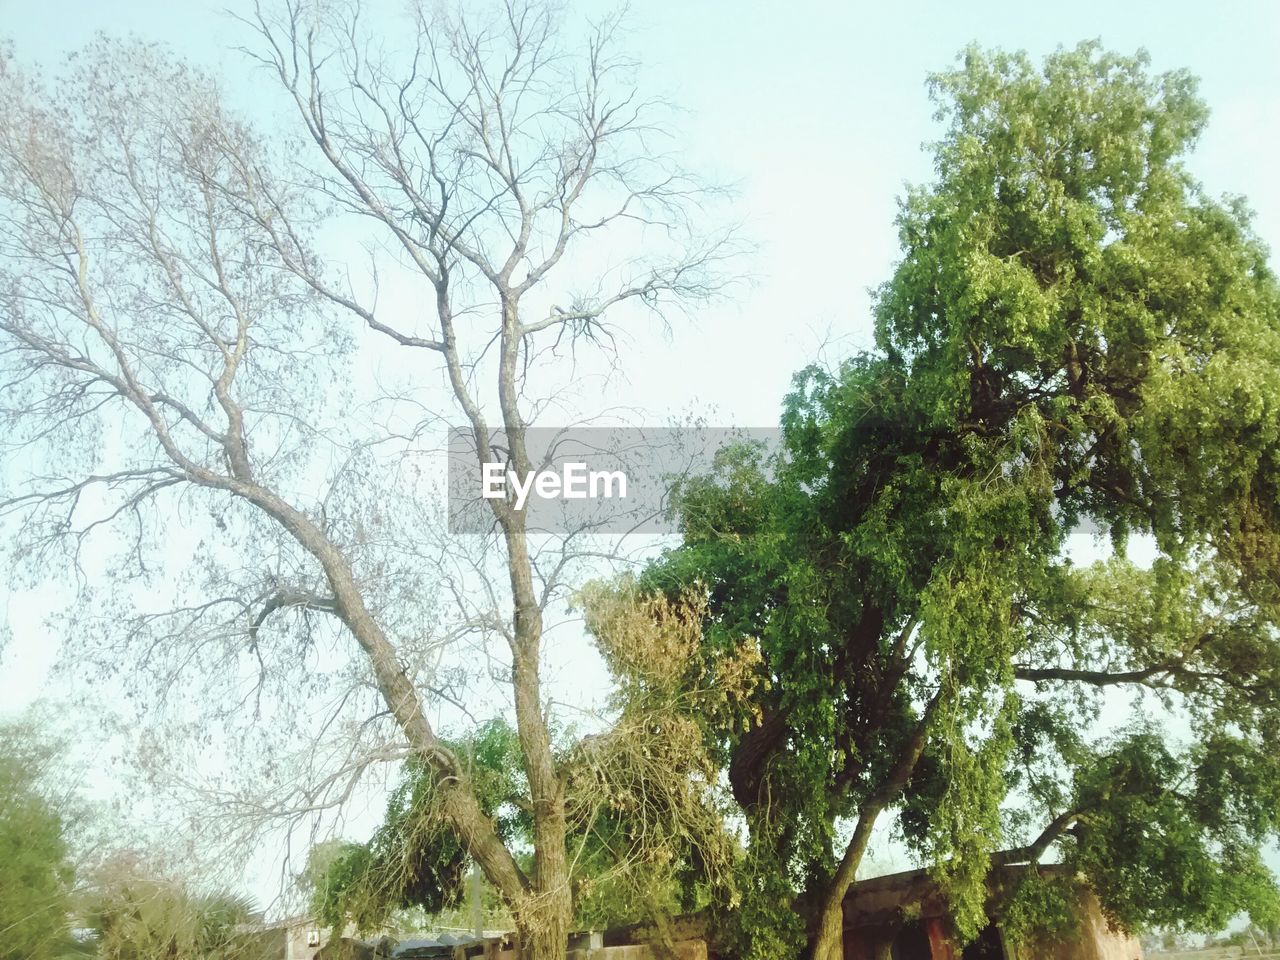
35 870
1077 337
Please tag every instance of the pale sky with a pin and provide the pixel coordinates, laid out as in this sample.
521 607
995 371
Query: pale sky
818 111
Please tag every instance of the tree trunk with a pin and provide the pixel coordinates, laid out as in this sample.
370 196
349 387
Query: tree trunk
545 934
457 799
551 905
828 940
551 902
828 933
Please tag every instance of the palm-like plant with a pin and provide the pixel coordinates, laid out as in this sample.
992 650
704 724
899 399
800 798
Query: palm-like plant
138 917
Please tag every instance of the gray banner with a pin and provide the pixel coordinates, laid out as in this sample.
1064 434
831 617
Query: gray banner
603 480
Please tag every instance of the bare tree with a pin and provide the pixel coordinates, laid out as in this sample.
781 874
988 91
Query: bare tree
171 331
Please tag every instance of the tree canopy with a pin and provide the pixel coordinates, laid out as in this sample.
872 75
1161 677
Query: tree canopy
1077 339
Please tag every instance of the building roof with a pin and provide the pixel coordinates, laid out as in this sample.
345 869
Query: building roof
886 899
441 946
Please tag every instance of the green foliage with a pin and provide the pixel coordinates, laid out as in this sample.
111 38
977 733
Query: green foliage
337 888
1174 840
413 858
1042 906
1076 337
35 872
646 807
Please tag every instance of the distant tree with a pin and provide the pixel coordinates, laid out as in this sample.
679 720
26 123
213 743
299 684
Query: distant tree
135 913
1077 338
35 869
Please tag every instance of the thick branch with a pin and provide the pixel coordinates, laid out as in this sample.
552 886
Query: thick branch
1033 851
829 934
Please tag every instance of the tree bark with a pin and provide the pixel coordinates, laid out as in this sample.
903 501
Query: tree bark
546 921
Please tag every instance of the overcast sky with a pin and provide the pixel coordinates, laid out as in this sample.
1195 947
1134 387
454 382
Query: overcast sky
818 112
